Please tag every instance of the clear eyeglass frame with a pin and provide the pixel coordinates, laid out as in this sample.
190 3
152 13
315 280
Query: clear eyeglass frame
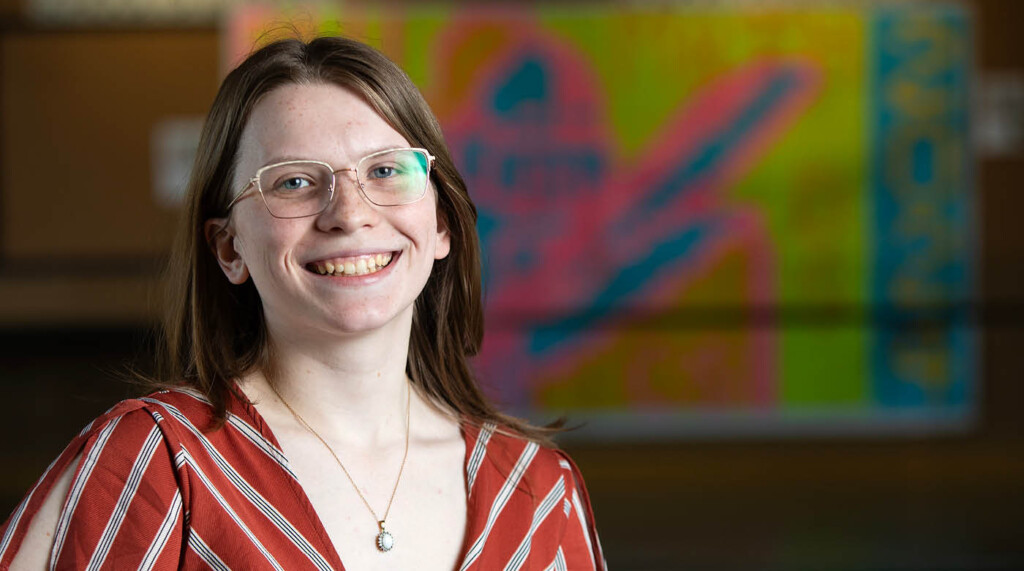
254 182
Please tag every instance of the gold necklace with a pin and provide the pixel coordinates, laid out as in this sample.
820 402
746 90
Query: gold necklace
385 541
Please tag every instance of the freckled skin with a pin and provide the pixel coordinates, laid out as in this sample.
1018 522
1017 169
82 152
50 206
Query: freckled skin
331 124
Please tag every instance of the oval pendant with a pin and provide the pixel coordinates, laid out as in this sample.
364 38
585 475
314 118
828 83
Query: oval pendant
385 541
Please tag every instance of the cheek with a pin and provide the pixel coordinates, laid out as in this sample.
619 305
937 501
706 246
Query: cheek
423 226
262 245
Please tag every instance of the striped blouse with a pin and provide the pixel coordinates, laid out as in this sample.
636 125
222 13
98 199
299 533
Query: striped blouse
154 491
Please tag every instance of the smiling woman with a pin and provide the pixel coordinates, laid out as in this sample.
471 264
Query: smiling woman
315 404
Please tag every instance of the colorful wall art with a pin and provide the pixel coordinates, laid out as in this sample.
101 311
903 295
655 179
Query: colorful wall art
706 221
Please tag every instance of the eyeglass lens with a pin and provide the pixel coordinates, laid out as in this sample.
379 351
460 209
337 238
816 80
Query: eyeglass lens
303 188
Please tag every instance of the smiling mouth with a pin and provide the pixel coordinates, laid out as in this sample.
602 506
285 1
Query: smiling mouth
353 266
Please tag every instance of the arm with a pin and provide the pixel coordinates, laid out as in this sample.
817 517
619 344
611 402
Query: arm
111 498
34 552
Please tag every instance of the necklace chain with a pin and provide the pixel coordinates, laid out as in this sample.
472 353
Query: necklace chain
405 454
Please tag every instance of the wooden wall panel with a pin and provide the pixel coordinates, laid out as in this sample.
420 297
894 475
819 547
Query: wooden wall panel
78 113
78 110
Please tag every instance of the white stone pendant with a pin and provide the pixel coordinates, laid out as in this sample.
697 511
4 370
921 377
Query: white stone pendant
385 541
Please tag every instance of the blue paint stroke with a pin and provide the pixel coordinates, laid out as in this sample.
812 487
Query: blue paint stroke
528 83
631 279
713 153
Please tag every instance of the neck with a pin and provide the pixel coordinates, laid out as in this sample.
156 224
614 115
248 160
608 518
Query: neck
350 390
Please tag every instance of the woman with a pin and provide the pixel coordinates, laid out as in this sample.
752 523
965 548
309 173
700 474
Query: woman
325 296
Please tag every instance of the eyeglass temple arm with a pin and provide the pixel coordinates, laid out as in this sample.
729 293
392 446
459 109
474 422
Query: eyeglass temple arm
241 192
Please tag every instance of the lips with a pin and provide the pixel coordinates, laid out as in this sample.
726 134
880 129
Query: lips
351 265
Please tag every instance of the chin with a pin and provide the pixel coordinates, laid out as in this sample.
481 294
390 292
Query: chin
352 322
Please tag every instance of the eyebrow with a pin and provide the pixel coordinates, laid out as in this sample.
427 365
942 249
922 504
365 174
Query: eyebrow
289 158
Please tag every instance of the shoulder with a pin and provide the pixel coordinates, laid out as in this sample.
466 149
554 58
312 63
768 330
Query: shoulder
163 426
85 495
138 422
187 414
492 440
180 404
508 459
130 432
125 425
143 413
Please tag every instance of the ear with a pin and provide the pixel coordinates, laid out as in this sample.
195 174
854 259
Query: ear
220 238
443 244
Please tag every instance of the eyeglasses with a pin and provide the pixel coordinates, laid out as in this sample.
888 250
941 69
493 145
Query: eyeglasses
296 189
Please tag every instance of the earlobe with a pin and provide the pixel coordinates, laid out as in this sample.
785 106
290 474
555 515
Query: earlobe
220 238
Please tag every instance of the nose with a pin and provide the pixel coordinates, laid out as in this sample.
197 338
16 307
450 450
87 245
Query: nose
348 210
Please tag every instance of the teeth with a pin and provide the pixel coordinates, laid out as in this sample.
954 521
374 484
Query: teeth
353 267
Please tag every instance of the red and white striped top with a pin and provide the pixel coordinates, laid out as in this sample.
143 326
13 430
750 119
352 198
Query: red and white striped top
153 491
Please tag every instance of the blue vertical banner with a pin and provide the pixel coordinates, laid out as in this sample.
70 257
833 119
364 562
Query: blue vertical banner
923 354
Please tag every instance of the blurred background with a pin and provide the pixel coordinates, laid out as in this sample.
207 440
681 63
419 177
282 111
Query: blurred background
768 254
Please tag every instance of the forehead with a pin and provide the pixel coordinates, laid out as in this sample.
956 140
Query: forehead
313 121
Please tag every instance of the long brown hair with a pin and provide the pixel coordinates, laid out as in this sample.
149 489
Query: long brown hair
214 331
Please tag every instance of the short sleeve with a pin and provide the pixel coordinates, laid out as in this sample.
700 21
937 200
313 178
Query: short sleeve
580 547
124 505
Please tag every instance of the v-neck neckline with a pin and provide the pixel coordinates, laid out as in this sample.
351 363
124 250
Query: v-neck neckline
313 517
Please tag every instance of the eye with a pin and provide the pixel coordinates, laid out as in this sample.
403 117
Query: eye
295 183
383 171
